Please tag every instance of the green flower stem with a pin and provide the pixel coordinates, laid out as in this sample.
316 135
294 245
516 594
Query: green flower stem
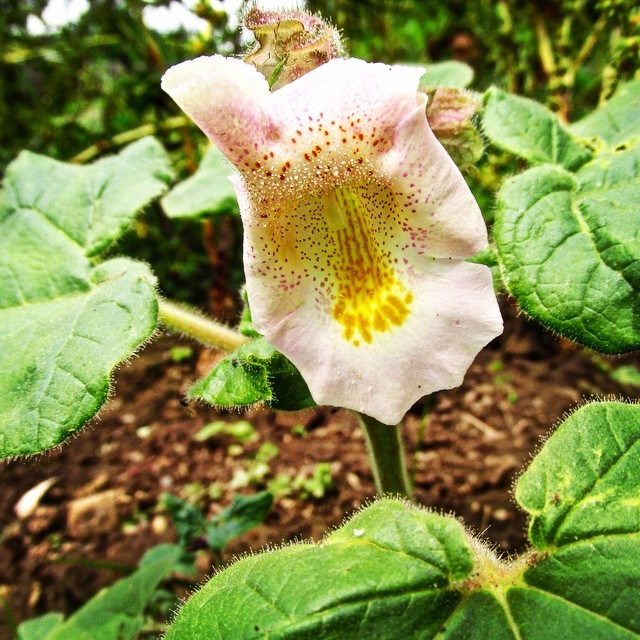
206 331
387 456
120 139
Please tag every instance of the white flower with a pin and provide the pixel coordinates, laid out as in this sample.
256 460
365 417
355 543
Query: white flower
357 225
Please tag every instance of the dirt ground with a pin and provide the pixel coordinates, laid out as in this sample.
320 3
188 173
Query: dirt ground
466 447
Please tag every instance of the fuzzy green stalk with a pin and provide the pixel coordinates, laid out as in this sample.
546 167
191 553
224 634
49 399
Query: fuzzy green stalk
204 330
387 457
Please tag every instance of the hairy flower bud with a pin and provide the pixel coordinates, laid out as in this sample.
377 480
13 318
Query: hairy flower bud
289 44
449 113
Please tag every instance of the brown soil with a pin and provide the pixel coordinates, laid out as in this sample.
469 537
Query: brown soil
465 454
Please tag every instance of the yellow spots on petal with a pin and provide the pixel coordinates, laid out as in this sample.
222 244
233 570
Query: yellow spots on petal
369 298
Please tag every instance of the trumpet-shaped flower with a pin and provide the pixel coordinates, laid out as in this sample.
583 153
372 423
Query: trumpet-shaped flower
357 225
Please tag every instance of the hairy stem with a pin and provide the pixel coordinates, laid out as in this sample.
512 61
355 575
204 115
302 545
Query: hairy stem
387 456
204 330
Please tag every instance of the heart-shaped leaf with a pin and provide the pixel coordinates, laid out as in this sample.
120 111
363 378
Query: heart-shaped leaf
389 563
583 495
569 248
65 323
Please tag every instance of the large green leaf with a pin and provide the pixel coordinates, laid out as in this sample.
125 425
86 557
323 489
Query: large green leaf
583 495
207 191
66 322
254 373
188 520
387 568
529 130
589 468
569 248
617 122
398 571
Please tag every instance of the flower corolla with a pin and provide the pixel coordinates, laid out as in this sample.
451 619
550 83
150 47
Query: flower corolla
357 226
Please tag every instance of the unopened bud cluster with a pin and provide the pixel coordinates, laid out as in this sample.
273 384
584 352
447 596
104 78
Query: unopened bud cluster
289 44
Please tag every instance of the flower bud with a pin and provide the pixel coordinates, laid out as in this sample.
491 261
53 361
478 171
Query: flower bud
449 113
289 44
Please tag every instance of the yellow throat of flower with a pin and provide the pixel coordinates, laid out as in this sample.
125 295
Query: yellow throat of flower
368 297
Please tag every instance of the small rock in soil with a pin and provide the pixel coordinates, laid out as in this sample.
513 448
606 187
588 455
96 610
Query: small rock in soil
92 515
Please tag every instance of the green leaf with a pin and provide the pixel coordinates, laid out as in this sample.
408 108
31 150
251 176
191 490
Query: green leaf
583 495
242 430
208 191
387 569
117 611
39 628
243 514
188 520
84 208
254 373
585 471
481 616
450 73
398 571
617 121
569 248
529 130
64 322
56 356
626 374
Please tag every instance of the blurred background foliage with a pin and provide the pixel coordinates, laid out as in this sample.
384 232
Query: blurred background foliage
86 88
558 52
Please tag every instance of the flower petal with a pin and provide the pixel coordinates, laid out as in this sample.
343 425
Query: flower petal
332 125
443 218
367 330
453 315
222 96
